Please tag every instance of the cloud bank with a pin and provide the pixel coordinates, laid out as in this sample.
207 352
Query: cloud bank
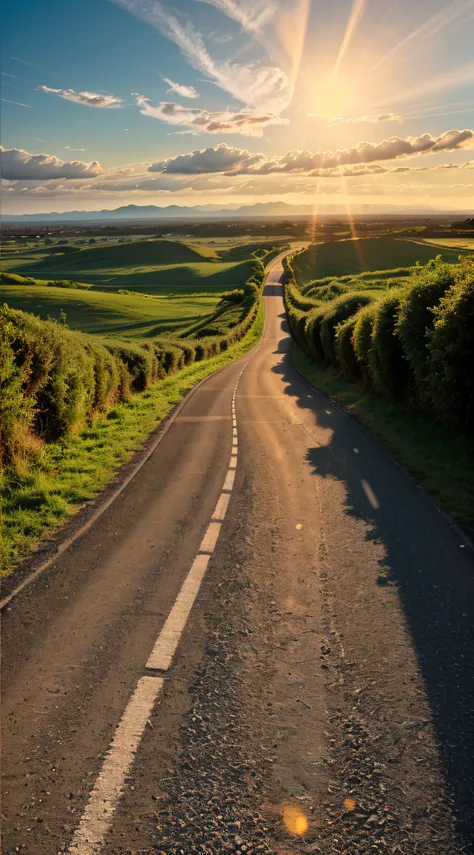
19 165
240 161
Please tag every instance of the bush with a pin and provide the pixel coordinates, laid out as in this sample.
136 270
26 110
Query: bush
326 293
313 333
415 320
16 407
362 341
345 351
337 312
451 353
388 365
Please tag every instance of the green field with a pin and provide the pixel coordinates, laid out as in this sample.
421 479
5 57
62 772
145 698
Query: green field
149 266
465 243
339 258
127 316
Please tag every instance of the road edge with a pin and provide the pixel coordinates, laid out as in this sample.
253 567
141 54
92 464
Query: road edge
464 536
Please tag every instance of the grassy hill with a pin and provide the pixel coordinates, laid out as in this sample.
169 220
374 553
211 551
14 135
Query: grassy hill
145 265
338 258
130 316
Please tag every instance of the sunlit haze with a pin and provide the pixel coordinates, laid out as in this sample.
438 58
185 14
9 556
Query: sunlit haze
352 103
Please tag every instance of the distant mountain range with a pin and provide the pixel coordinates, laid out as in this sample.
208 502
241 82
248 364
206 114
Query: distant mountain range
212 212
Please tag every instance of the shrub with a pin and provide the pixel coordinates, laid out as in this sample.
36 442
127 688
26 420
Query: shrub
326 293
451 353
16 407
313 333
388 365
362 341
415 319
336 312
345 352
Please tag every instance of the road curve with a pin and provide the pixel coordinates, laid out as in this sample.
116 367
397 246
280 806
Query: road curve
337 608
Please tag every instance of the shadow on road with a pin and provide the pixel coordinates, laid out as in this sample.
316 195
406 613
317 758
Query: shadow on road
432 570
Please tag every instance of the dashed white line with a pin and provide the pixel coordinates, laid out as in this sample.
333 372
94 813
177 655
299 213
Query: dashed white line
208 543
97 818
229 480
221 507
165 647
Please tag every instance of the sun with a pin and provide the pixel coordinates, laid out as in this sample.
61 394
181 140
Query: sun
333 97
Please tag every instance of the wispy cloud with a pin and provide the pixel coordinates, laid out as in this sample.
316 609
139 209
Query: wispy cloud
20 165
4 74
89 99
18 103
243 122
429 28
252 15
23 61
363 120
179 89
260 86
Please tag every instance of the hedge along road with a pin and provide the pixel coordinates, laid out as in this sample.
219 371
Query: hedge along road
352 601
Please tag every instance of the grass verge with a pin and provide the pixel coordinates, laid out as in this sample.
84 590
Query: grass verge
441 464
65 474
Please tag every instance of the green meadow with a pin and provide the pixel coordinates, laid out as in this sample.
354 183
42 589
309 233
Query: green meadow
341 258
149 265
130 316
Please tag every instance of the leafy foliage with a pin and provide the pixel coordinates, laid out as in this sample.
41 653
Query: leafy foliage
414 342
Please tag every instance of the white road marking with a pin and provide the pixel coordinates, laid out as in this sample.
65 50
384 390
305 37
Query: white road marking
162 654
229 480
96 821
221 507
209 540
370 494
97 818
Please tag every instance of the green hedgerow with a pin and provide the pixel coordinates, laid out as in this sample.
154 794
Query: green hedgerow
450 348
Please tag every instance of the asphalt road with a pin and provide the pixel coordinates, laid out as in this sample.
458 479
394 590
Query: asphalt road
321 698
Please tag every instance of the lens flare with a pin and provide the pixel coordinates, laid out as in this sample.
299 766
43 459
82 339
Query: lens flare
295 819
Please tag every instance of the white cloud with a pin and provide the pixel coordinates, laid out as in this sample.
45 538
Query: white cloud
19 165
316 163
260 86
179 89
90 99
244 122
220 158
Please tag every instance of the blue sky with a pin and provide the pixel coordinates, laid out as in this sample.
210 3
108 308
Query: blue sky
301 100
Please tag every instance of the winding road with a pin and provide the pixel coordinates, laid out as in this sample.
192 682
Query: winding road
264 644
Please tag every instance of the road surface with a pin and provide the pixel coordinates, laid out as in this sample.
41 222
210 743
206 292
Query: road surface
318 698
